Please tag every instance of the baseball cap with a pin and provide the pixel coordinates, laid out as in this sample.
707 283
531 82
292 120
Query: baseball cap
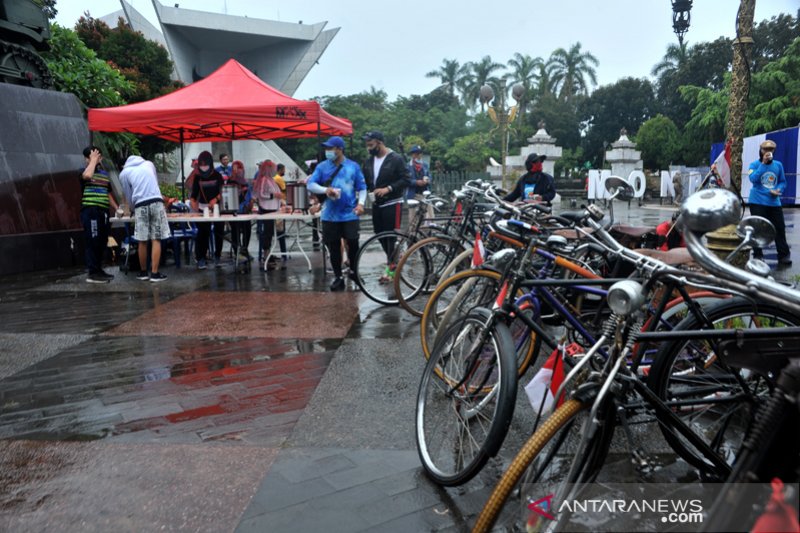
334 142
414 149
373 135
768 145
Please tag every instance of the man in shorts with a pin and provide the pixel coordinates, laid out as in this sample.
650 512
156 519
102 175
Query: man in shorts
140 184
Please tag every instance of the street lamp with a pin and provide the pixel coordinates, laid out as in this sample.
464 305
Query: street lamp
681 17
502 116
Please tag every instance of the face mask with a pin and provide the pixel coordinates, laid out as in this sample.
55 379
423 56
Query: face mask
330 155
374 151
204 168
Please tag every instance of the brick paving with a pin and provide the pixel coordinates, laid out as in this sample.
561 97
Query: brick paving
221 402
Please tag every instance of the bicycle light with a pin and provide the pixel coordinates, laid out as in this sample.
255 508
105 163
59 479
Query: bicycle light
625 297
501 259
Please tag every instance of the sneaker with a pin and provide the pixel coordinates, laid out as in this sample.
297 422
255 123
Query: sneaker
201 264
352 276
785 261
155 277
143 276
337 285
217 263
106 275
97 278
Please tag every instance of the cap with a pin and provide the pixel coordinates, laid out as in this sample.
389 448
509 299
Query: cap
533 158
414 149
373 136
768 145
334 142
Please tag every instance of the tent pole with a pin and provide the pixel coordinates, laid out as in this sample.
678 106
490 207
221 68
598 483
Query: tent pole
320 155
183 174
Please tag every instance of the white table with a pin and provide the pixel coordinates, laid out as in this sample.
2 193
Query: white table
296 221
293 223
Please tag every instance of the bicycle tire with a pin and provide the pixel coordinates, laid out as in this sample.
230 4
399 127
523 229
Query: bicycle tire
419 270
694 364
372 266
459 400
526 348
554 433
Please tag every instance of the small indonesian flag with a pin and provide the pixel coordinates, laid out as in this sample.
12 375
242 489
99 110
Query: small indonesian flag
543 387
723 163
478 251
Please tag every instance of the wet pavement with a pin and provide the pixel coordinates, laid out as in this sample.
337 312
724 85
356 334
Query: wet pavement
217 401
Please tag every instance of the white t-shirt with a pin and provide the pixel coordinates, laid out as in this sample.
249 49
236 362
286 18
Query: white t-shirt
377 163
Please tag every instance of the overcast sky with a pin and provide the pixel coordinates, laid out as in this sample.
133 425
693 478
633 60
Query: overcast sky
392 44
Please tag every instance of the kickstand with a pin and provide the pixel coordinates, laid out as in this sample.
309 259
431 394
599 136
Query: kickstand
638 455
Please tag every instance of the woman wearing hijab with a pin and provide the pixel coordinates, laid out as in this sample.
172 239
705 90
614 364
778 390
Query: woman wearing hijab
268 194
206 192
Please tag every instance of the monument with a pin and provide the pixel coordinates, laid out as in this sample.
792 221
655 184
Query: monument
280 53
623 156
541 143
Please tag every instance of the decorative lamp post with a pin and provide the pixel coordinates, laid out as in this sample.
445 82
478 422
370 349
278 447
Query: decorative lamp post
681 17
502 116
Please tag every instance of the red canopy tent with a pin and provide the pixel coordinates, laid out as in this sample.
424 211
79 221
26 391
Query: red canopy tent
232 103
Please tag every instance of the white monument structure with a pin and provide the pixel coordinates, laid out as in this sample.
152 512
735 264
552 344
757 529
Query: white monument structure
541 143
279 53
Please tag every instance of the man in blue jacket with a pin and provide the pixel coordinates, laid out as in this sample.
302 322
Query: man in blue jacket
342 182
768 183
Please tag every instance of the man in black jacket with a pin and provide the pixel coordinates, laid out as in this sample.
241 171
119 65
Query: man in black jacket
387 177
534 185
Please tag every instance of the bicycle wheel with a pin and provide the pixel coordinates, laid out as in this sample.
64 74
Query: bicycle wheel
463 417
543 464
375 267
456 296
708 396
420 269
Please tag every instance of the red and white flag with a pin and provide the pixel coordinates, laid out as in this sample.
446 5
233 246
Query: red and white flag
723 163
542 388
478 251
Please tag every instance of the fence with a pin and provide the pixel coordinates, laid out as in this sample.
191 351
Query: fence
444 182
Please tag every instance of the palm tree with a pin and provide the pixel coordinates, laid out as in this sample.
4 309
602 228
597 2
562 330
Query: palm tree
570 70
672 61
450 74
525 71
480 75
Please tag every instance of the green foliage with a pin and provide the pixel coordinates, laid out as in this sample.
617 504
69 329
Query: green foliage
76 69
571 159
469 153
572 70
775 93
659 140
625 104
48 7
169 190
143 62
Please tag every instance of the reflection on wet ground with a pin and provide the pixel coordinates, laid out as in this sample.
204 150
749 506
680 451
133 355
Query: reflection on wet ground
142 406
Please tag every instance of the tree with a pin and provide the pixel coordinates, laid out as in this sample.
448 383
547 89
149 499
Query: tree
775 93
570 70
450 74
48 7
470 153
524 70
76 69
659 141
772 37
482 73
627 103
673 60
144 62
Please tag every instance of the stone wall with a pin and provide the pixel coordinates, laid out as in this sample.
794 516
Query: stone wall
42 137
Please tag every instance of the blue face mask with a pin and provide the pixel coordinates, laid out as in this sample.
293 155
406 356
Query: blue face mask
330 155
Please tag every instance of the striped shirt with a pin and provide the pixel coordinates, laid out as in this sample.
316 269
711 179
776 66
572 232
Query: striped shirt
96 190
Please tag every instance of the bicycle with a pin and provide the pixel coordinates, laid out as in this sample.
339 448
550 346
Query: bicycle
599 398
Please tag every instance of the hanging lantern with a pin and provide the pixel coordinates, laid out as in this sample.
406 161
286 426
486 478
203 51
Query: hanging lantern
681 17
